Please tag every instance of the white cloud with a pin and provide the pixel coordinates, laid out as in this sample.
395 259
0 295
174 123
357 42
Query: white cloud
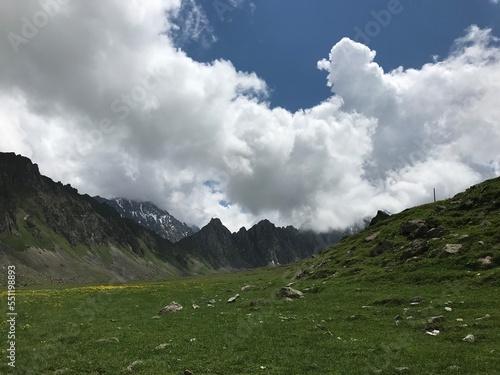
102 98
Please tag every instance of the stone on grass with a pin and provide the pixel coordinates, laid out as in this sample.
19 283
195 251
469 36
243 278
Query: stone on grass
436 319
161 346
452 248
233 298
195 306
486 261
448 308
172 307
382 247
109 339
469 338
133 366
434 332
372 236
289 292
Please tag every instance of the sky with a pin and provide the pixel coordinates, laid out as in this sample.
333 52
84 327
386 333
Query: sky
308 113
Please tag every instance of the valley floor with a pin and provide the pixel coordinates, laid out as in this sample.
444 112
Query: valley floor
342 325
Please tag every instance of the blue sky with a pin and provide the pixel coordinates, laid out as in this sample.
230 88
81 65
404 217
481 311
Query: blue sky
194 104
282 40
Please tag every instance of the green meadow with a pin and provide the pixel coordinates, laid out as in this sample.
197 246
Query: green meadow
343 325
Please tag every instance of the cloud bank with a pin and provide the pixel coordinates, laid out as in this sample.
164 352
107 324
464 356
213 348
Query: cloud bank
98 94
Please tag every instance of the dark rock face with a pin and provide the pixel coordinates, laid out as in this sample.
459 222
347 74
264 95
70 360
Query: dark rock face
261 245
381 216
150 216
418 247
79 219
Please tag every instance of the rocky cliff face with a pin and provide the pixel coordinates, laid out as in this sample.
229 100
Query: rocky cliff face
150 216
38 213
261 245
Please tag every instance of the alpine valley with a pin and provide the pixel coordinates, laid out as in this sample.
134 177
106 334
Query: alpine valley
53 234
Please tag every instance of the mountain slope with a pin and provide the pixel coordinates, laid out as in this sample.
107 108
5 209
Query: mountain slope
151 217
449 239
261 245
57 235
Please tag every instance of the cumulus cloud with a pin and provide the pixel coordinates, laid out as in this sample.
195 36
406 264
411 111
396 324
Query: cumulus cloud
101 96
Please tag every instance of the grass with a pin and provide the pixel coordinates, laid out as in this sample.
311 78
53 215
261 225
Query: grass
343 325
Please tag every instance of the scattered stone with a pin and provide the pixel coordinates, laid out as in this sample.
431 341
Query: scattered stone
467 205
289 292
245 287
486 261
233 298
436 319
469 338
409 312
61 371
110 339
480 242
161 346
451 249
487 316
416 299
464 238
300 274
173 307
434 332
413 229
453 368
401 369
211 302
440 207
485 223
380 216
460 320
437 232
418 247
195 306
288 299
447 308
188 372
133 366
382 247
448 303
372 236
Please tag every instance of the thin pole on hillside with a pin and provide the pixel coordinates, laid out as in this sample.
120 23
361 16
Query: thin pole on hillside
434 195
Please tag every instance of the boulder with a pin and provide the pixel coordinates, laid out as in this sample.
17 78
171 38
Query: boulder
451 249
289 293
172 307
418 227
418 247
372 236
381 216
437 232
486 261
382 247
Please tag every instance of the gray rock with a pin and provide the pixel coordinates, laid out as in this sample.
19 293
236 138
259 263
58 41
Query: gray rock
289 293
437 232
300 274
413 229
381 216
485 223
451 249
418 247
486 261
382 247
372 236
133 366
172 307
436 319
233 298
416 299
211 302
469 338
107 340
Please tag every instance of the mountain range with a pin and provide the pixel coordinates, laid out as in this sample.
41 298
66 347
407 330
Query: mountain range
53 234
150 216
